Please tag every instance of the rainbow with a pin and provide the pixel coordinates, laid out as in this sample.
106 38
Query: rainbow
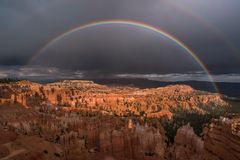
208 26
129 23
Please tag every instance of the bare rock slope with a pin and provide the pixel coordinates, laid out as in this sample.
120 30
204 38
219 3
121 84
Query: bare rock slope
220 141
72 120
86 95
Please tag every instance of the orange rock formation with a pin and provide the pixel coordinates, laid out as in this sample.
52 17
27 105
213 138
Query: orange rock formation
72 120
121 101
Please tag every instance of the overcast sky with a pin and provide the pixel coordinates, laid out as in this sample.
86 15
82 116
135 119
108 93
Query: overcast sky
210 27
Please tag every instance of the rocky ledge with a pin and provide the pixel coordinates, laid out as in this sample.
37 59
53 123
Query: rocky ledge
121 101
220 141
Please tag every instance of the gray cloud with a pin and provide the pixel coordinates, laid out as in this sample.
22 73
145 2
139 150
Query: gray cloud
178 77
27 25
39 73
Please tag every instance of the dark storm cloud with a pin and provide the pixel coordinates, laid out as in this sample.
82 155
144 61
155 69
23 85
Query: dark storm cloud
27 25
125 56
38 73
176 77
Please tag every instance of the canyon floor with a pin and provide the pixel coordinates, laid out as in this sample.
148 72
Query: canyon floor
74 120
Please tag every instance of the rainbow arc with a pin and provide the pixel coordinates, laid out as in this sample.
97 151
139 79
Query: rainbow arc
128 23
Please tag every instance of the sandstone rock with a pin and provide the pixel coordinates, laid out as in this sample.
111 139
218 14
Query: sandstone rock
187 145
221 139
121 101
74 119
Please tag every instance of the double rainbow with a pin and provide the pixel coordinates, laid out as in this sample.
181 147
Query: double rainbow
128 23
